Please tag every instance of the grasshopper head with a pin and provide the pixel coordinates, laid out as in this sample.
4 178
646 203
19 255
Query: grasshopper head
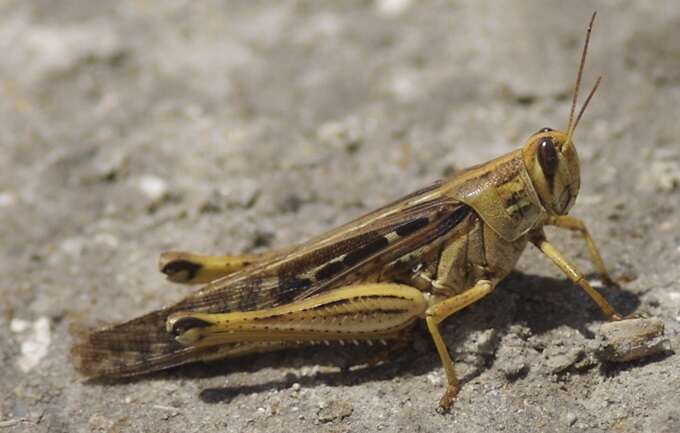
550 156
552 163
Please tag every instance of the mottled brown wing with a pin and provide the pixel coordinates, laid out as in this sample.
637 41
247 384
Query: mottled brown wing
340 257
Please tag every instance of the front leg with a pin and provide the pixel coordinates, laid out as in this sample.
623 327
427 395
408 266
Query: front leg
569 222
538 238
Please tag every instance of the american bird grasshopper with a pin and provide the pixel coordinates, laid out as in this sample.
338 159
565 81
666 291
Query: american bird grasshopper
425 256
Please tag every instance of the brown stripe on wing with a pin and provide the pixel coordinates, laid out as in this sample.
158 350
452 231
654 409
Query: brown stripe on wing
285 277
318 268
368 261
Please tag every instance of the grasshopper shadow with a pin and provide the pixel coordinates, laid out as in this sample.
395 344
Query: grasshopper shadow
540 303
546 303
340 376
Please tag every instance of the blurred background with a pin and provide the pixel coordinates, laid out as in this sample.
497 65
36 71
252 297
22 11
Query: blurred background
133 127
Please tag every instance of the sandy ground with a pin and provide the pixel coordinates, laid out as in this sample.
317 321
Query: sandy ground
133 127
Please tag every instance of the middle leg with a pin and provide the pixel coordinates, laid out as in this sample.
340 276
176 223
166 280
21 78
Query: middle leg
436 314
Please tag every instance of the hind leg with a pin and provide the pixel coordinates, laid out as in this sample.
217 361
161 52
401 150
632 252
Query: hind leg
362 312
189 268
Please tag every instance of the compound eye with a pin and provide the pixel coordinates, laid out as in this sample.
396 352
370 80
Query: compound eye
546 130
547 157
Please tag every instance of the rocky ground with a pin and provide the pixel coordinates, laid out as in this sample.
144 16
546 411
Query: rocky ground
134 127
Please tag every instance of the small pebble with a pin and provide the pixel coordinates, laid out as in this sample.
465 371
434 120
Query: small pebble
434 379
393 8
153 187
19 325
35 346
334 410
631 339
570 418
6 199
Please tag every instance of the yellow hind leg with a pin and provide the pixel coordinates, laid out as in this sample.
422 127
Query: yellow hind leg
189 268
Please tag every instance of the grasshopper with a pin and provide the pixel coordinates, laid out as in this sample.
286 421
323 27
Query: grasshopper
425 256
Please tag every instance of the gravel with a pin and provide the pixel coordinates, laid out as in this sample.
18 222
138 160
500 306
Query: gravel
131 128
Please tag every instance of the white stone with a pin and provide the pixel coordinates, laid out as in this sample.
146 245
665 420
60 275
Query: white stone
35 347
19 325
6 199
153 187
393 8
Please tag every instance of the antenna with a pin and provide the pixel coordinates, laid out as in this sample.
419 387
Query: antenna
571 126
583 108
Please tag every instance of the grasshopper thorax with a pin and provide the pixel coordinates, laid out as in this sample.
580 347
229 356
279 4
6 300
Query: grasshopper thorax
552 163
